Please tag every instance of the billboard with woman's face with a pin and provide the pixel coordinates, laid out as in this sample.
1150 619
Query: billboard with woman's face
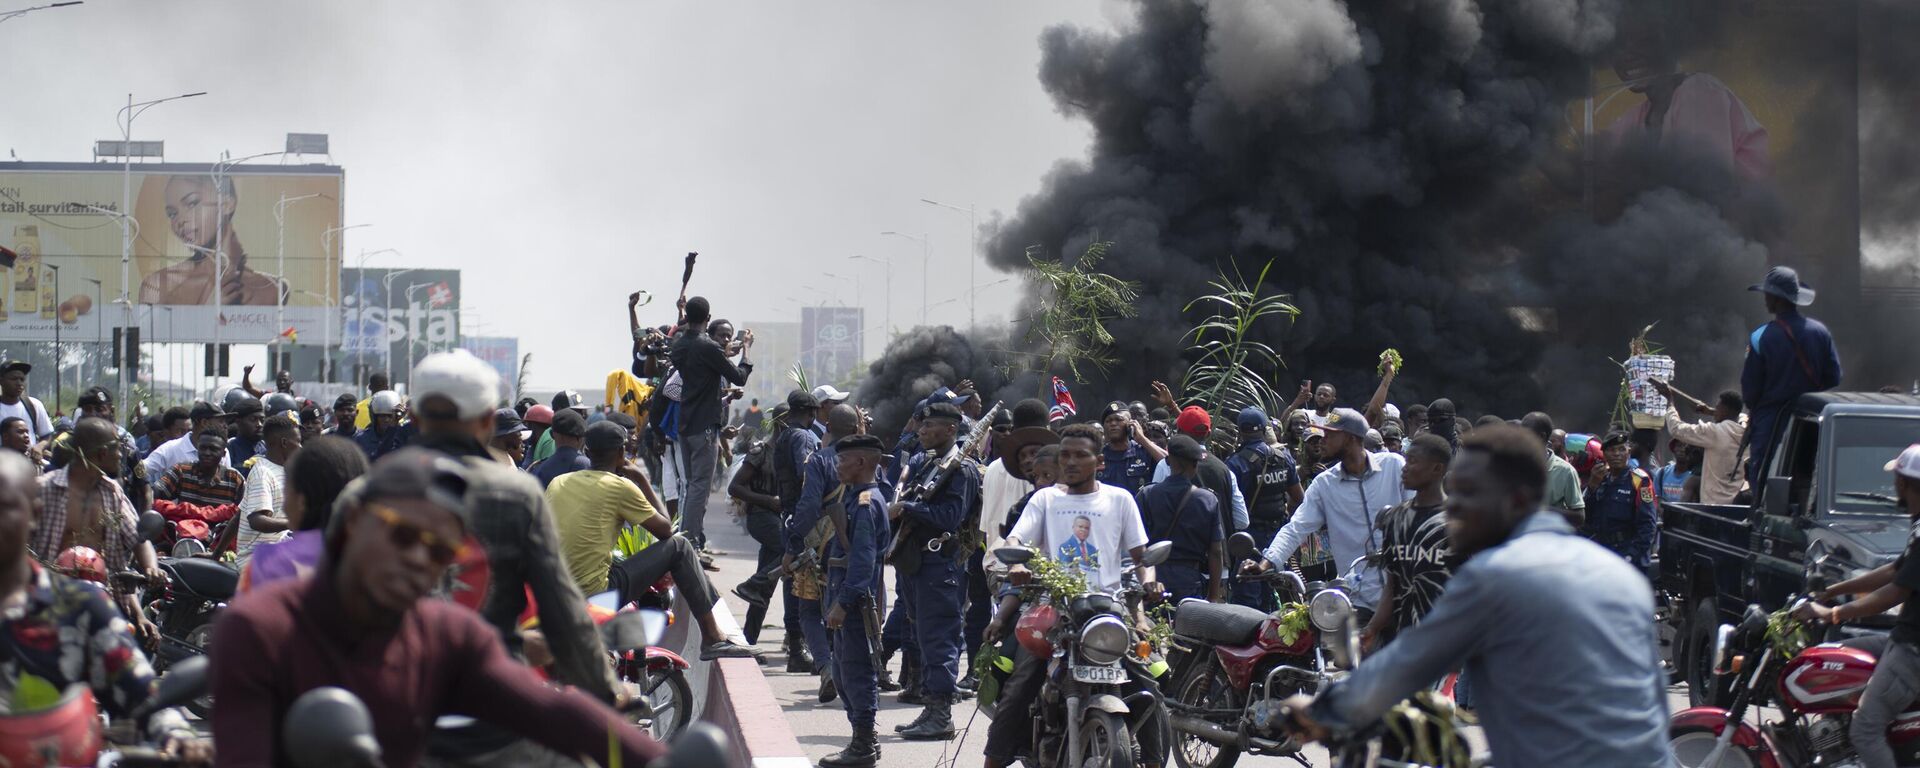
210 257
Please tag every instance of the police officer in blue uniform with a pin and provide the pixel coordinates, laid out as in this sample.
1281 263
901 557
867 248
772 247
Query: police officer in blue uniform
820 487
1270 482
1622 510
930 558
793 446
855 558
1181 511
1130 456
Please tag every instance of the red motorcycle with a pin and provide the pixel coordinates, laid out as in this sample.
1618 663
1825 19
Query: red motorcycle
1816 689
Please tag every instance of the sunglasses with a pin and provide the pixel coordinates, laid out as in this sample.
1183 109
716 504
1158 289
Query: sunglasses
405 535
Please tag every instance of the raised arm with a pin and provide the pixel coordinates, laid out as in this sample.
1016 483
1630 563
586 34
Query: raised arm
1377 407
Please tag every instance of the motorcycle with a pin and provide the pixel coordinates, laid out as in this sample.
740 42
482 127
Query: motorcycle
1099 691
72 730
1228 702
1816 690
661 699
184 609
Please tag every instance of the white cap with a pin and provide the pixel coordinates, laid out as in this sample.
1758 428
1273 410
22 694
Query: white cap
1907 464
826 392
1391 411
468 381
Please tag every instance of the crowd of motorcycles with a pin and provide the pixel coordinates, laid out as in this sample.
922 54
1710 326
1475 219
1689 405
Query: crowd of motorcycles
198 585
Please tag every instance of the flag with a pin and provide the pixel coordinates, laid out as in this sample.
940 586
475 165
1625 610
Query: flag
1062 401
439 295
292 336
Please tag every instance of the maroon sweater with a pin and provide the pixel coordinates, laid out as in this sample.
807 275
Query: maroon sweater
290 637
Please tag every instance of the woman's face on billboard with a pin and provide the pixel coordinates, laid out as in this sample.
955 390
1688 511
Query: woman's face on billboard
193 210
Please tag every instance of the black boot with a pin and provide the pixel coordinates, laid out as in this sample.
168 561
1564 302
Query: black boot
884 676
938 725
911 692
862 752
827 690
797 658
917 720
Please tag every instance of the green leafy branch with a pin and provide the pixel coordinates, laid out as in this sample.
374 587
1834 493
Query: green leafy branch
1224 377
1076 301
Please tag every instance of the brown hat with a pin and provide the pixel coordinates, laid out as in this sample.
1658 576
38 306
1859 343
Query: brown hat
1009 445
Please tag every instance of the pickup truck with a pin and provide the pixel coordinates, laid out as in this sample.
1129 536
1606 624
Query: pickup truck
1825 505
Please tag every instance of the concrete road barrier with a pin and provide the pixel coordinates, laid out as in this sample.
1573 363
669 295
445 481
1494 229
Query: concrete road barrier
734 695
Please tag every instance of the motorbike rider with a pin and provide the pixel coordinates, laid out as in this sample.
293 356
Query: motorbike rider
65 631
364 621
1896 677
1557 633
1049 521
82 506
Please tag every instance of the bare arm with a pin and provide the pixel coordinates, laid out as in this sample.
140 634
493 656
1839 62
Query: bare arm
1377 407
1306 392
740 488
263 521
1216 586
1864 583
246 383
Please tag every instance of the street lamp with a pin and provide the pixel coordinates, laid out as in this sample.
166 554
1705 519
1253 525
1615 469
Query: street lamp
889 307
57 324
332 268
973 246
360 305
6 15
219 248
386 337
98 340
280 293
926 262
131 111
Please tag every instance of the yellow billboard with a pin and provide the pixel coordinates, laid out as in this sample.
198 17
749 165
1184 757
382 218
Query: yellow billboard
215 252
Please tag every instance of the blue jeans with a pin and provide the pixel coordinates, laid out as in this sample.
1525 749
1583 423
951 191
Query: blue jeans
1895 685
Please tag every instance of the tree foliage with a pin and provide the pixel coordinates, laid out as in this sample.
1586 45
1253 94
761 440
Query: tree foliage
1076 300
1225 376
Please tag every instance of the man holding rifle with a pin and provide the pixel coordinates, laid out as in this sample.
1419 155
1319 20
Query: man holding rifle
854 562
939 508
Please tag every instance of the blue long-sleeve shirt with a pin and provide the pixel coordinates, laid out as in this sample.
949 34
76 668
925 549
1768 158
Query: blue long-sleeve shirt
1773 376
818 477
947 511
1574 677
867 539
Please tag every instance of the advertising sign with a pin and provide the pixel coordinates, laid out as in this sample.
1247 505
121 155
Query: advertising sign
405 313
501 352
64 221
830 342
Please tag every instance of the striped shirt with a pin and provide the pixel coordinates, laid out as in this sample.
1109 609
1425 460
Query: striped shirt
184 483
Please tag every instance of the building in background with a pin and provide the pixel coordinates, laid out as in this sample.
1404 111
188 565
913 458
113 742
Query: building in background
776 347
831 342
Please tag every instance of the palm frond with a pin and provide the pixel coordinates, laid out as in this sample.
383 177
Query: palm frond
1077 301
1225 375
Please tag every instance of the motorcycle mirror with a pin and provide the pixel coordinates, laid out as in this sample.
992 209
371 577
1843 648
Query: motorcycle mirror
633 630
150 525
609 600
1817 583
1241 546
701 744
328 728
1013 555
1157 553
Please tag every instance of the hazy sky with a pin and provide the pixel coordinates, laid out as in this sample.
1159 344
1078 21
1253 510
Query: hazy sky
563 154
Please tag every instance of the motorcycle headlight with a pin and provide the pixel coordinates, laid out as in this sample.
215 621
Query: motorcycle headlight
1330 610
1103 640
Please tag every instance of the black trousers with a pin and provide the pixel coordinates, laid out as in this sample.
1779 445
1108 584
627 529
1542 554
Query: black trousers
676 556
979 605
765 527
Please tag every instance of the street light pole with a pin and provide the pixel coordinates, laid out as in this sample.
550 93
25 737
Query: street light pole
973 247
926 265
9 15
332 268
386 336
360 305
280 292
98 340
131 110
889 308
57 324
219 248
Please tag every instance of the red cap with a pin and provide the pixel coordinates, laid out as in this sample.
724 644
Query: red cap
539 414
1194 422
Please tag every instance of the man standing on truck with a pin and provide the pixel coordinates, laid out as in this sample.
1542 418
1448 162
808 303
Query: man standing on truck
1896 678
1621 506
1788 357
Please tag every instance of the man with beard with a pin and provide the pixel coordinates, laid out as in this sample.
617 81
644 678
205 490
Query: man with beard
1346 499
1575 678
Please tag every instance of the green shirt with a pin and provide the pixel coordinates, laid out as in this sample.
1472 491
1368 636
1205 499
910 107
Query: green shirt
589 508
542 448
1563 485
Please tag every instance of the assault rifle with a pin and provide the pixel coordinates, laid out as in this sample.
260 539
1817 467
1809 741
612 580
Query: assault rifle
932 481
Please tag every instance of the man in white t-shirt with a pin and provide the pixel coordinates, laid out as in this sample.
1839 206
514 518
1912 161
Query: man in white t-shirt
15 402
1080 521
263 518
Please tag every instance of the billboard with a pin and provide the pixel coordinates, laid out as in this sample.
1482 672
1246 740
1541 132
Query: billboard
405 313
830 342
503 353
64 220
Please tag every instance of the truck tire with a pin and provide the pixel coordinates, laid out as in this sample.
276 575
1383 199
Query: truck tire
1704 689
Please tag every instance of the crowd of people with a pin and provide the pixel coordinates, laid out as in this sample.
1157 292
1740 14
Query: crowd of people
346 521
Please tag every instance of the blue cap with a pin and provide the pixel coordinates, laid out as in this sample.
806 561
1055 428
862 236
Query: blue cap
1251 417
1785 283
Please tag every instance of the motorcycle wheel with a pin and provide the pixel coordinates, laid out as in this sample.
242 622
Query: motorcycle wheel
1703 689
671 699
1691 744
1204 689
1105 742
201 635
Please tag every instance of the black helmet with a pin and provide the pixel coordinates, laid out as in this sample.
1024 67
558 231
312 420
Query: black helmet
230 402
279 403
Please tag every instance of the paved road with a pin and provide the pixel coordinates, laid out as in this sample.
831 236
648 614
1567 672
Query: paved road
822 728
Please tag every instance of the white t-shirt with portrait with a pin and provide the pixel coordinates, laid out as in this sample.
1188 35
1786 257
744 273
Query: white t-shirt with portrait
1092 530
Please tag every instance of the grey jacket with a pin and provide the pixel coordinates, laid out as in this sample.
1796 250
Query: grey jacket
1558 639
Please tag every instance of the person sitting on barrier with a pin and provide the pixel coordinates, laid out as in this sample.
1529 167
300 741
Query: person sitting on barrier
589 508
